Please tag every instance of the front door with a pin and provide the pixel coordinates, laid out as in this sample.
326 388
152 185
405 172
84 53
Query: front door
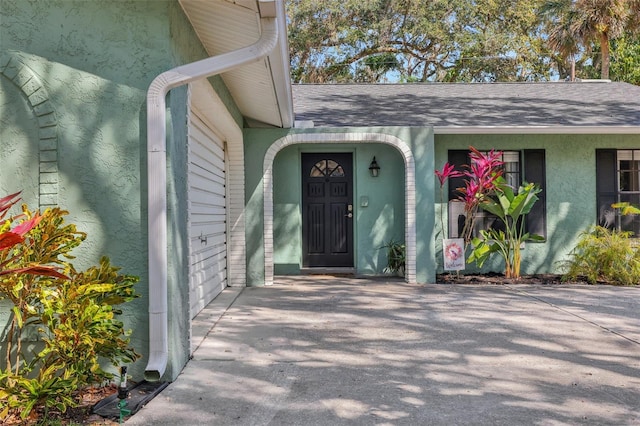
327 210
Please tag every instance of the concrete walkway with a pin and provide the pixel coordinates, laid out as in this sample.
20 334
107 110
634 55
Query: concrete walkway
334 351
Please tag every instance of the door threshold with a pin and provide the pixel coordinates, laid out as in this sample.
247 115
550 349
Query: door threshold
328 271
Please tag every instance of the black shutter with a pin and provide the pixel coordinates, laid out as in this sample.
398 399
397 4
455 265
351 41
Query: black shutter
457 157
535 171
606 164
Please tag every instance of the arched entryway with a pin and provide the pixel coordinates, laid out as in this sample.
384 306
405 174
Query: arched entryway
329 138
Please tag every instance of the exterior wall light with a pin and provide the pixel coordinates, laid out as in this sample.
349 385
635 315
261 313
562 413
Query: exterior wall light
374 169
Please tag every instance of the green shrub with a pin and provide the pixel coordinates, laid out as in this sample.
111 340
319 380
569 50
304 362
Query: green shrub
396 257
605 256
72 313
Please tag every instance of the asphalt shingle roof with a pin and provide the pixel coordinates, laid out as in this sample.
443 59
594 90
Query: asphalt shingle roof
473 104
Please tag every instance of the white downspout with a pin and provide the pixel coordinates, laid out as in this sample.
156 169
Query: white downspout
157 176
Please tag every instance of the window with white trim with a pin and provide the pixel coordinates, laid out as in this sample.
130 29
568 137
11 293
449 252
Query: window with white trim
618 180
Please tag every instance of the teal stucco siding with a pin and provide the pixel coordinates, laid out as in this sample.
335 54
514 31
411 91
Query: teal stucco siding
96 60
379 203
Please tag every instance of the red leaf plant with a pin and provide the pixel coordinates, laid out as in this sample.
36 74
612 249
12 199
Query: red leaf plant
448 171
480 178
11 237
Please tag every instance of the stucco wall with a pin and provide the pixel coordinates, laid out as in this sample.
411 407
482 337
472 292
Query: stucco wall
570 191
20 160
570 187
96 61
382 220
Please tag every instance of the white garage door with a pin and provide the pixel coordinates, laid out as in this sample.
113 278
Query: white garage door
207 213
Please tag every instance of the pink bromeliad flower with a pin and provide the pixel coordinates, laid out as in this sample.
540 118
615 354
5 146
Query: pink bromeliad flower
472 194
485 168
480 178
486 161
447 172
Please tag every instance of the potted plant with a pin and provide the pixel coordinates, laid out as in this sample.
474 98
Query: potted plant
396 256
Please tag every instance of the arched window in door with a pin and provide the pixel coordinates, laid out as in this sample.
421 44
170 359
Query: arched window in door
327 168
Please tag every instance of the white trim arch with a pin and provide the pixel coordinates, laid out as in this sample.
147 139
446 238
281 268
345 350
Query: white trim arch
328 138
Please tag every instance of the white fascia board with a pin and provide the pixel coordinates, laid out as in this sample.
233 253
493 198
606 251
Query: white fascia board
536 130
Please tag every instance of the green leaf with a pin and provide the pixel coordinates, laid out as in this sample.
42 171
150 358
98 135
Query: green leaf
523 202
18 316
481 251
626 208
493 208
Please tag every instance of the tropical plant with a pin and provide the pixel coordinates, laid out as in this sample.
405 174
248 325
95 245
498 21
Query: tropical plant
448 171
11 237
603 255
486 189
602 21
510 208
48 390
73 314
626 208
396 256
480 182
576 24
562 38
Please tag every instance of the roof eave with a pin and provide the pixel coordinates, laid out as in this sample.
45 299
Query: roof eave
538 130
261 93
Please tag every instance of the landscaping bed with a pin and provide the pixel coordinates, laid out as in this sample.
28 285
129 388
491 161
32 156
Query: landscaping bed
496 278
80 415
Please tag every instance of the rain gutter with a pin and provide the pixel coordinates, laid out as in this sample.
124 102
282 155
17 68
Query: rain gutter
157 175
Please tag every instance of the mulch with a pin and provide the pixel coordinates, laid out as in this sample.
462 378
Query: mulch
79 415
499 279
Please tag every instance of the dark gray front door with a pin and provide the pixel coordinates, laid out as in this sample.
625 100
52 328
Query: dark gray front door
327 210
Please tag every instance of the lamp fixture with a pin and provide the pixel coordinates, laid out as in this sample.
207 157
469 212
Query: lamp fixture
374 169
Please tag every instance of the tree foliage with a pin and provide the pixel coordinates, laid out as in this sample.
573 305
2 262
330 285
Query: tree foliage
457 40
589 27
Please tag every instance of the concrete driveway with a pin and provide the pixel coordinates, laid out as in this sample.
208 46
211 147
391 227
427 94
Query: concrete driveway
335 351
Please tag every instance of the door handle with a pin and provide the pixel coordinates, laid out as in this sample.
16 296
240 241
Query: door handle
349 215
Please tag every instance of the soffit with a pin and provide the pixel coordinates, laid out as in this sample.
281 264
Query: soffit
260 89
